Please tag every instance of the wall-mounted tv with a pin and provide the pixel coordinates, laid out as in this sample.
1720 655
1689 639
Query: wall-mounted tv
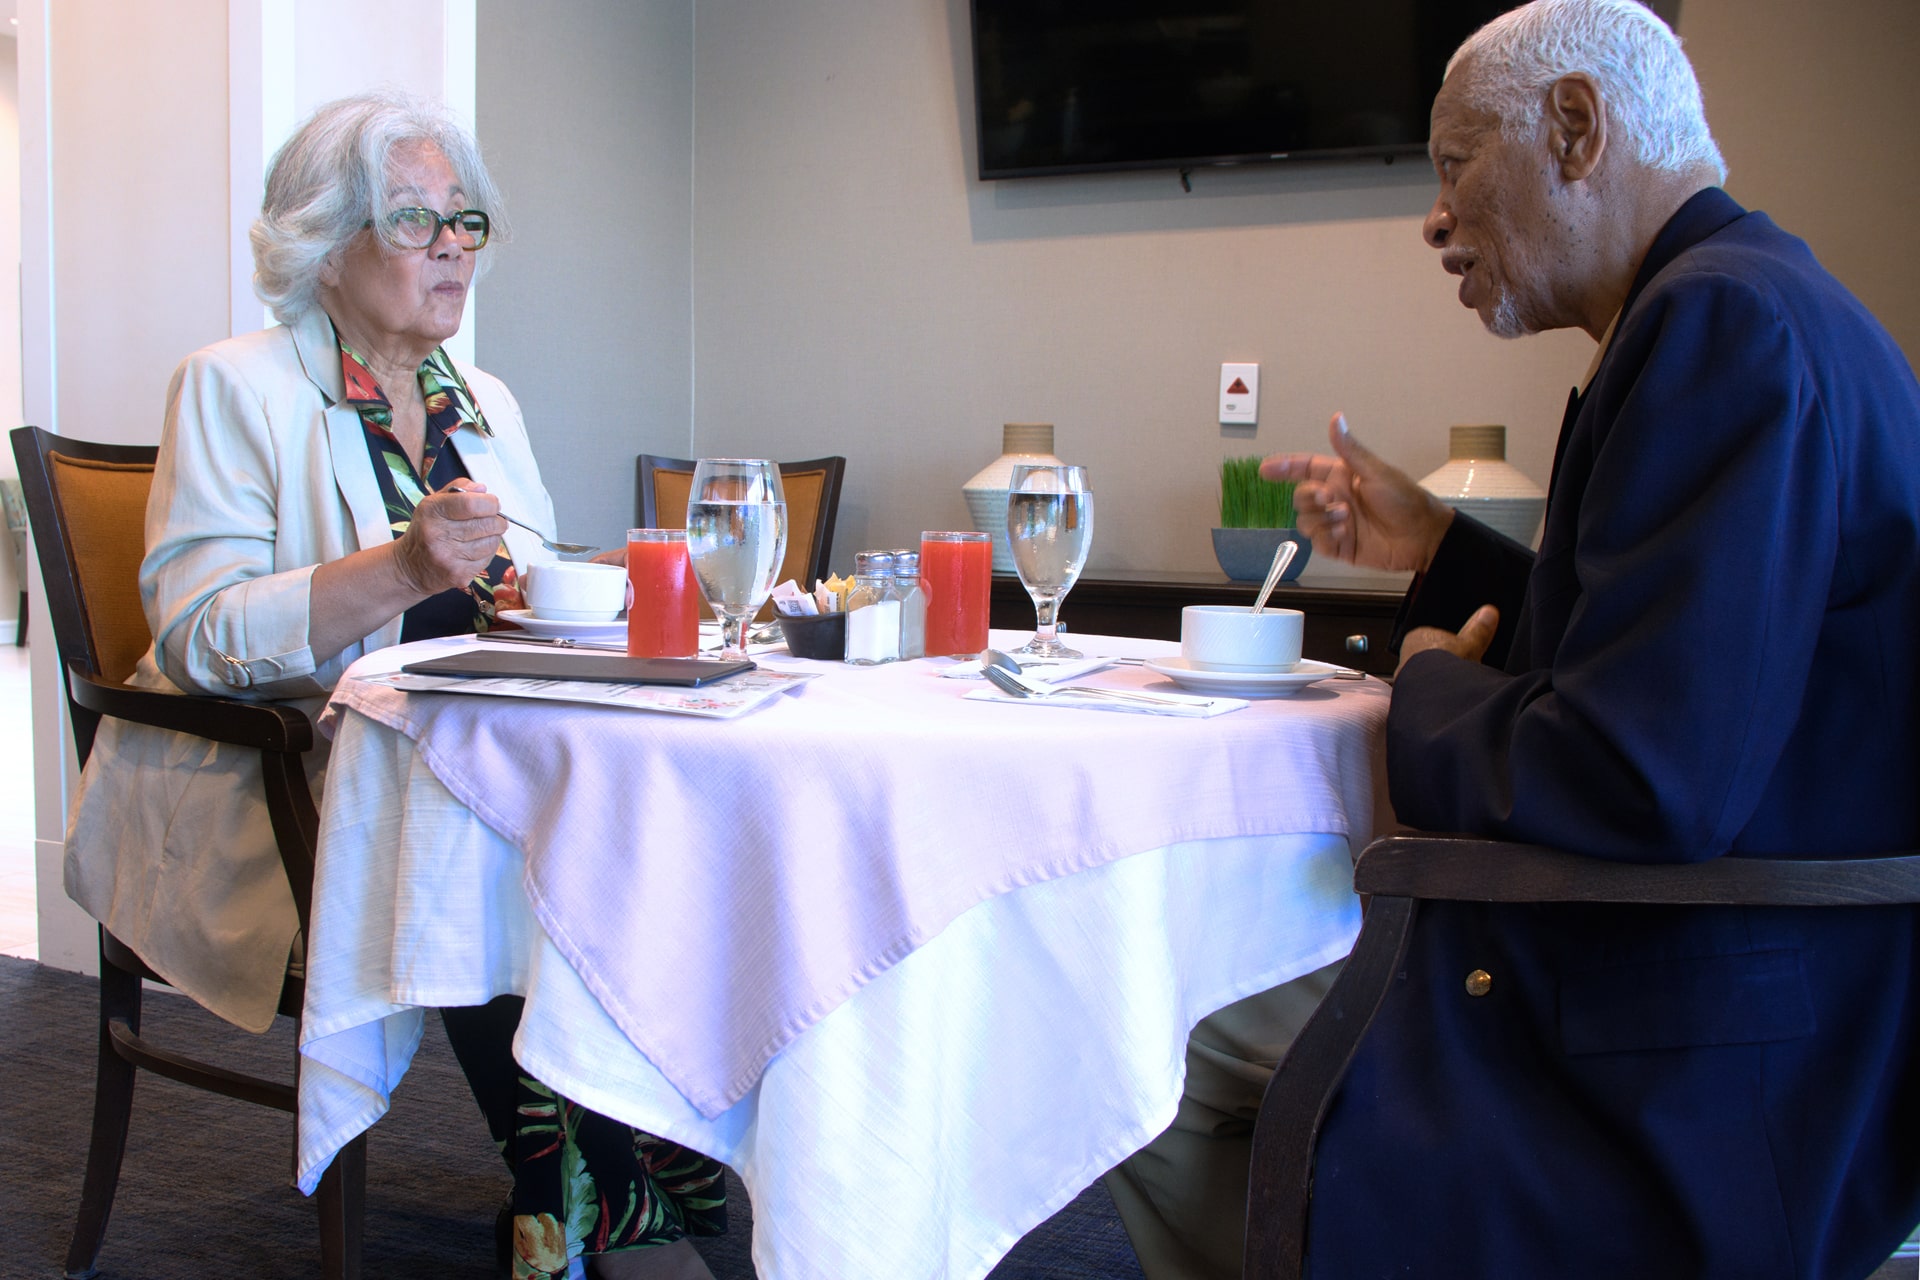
1068 86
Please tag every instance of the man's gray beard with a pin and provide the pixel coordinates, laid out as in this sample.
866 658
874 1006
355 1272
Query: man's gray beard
1505 322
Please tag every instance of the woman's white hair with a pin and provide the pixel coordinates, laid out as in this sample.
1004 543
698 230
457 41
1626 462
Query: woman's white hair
1652 97
331 178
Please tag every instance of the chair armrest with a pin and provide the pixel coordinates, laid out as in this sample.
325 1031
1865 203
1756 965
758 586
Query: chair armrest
1466 868
281 734
265 725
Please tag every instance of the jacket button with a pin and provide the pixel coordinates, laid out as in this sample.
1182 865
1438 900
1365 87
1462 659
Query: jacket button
1479 982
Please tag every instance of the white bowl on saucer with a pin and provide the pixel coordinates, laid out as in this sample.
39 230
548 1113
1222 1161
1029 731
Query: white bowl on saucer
574 590
1231 637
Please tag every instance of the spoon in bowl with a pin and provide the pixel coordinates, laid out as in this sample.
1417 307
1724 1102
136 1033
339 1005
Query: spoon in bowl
1282 557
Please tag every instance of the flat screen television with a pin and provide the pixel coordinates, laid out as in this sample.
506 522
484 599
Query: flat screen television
1071 86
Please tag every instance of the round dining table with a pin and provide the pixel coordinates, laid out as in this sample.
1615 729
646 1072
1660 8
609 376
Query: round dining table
916 959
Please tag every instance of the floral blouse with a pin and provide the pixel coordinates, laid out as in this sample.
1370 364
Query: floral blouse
450 406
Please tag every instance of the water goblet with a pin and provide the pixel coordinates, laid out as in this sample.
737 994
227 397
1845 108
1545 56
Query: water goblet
736 539
1050 531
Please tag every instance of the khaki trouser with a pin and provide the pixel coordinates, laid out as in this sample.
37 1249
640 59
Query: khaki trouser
1183 1196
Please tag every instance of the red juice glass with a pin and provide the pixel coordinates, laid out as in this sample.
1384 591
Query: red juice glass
956 572
663 618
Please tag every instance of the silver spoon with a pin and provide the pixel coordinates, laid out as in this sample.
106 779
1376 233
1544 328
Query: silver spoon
1004 674
564 548
1282 557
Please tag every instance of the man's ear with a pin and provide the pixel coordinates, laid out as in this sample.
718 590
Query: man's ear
1576 125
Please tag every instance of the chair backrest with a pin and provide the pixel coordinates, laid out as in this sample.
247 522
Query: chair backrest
87 504
661 486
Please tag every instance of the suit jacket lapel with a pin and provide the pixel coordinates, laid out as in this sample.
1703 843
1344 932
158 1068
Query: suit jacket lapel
319 351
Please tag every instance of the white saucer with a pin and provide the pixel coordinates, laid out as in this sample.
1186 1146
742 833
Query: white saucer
1242 684
553 627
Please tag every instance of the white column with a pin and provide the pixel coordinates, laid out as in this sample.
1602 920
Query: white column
66 933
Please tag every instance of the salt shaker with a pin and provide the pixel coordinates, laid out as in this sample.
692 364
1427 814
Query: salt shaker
873 611
913 602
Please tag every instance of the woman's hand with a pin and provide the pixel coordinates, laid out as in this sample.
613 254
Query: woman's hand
452 539
1358 508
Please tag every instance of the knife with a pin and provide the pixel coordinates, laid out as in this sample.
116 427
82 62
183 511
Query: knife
557 642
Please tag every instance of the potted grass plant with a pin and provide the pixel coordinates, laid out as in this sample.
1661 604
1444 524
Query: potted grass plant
1256 516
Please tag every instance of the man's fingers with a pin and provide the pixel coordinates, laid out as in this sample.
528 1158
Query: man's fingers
1477 633
1297 466
1360 459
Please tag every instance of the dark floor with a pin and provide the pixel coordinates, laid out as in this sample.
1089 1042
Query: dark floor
205 1190
205 1187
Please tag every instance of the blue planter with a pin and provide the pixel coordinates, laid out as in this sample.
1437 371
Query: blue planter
1245 555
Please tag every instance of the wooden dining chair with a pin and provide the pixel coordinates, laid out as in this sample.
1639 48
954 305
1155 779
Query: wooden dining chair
1395 875
661 486
86 503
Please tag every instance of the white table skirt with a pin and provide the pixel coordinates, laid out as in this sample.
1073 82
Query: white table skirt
958 1095
921 1128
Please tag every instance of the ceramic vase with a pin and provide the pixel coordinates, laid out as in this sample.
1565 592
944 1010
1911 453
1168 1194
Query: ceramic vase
986 493
1245 555
1478 480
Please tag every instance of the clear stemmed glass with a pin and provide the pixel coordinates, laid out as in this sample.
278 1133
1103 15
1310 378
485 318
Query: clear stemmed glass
1050 530
736 538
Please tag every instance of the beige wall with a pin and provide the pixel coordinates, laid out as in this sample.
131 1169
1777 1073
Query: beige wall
140 236
586 114
1811 105
850 288
858 291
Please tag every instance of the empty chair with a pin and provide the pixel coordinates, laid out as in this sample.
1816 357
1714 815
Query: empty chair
661 486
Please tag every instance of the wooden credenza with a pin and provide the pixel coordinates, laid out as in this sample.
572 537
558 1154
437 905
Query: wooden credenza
1345 623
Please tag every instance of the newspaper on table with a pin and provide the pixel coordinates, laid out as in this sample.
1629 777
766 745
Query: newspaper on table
722 700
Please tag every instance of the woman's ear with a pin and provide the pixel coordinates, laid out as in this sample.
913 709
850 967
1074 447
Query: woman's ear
1577 125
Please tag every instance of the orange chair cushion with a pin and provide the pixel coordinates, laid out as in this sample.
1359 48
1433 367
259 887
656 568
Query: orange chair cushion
804 490
104 508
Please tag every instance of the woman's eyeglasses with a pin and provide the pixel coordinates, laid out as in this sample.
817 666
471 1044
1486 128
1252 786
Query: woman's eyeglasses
419 228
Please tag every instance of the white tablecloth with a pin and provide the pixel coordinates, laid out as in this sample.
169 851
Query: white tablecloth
923 1119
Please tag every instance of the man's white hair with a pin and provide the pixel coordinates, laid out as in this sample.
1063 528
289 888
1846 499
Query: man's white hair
1652 98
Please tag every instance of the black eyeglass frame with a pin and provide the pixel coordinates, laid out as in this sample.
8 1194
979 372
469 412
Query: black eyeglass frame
440 223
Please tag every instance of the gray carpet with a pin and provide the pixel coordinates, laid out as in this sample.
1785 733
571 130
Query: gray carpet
205 1192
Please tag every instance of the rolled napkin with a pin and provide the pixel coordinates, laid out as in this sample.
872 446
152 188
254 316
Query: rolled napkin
1053 670
1191 706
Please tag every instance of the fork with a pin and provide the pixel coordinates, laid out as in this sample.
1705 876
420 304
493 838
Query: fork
564 548
1021 687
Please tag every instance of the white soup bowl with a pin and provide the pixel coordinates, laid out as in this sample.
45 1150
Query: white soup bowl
1231 637
574 590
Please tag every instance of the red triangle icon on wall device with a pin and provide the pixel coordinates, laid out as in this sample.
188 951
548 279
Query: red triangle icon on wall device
1239 387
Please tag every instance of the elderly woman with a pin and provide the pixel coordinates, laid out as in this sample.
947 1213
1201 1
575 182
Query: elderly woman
325 488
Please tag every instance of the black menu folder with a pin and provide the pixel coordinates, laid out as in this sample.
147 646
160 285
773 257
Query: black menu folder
607 668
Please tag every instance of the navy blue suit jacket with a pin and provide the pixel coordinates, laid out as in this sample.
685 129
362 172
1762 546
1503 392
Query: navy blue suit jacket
1713 653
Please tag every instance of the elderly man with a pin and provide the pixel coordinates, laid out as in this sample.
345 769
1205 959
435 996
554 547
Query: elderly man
1712 654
